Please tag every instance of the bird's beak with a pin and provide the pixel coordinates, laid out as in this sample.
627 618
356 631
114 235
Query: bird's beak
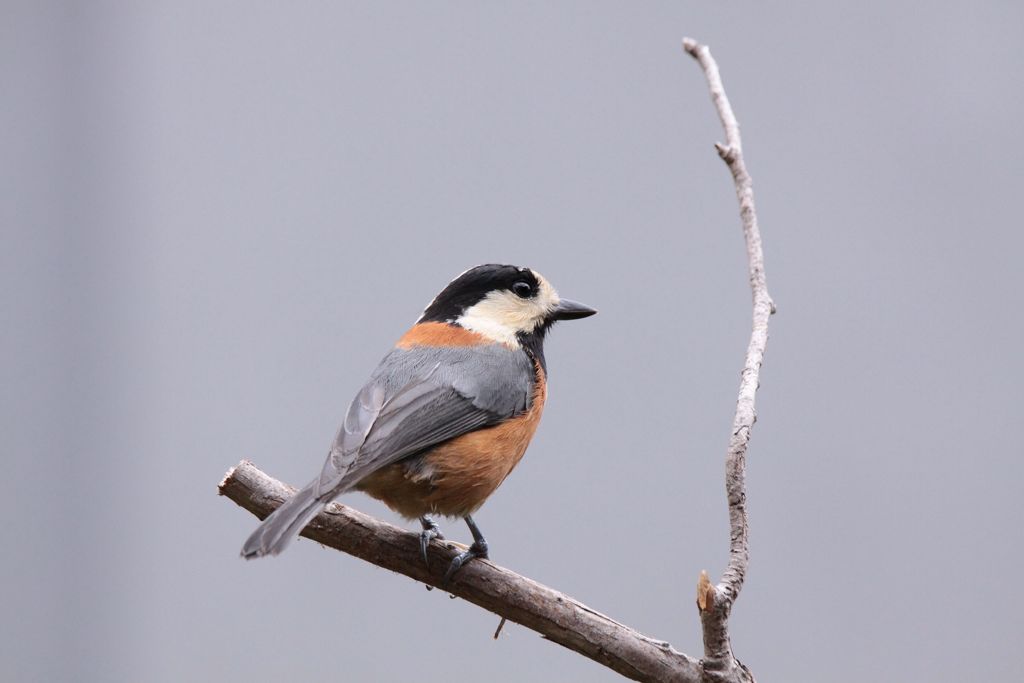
568 309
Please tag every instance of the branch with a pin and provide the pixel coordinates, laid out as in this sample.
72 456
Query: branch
550 613
715 602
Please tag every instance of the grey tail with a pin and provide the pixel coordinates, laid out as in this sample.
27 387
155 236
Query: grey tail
284 523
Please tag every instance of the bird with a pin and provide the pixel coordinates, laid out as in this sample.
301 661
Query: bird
446 415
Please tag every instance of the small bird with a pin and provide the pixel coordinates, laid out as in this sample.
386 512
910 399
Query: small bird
446 415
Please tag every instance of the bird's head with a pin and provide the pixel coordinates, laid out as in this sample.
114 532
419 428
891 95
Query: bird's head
503 303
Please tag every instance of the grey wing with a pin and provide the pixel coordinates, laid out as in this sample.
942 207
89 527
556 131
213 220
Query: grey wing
416 398
422 397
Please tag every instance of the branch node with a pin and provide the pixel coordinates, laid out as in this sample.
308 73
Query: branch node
727 153
705 592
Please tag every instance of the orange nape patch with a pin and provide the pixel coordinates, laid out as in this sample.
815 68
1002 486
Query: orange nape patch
440 334
456 477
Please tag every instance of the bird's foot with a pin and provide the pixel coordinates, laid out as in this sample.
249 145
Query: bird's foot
478 549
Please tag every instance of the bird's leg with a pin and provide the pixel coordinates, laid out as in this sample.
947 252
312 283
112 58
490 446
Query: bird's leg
478 549
430 530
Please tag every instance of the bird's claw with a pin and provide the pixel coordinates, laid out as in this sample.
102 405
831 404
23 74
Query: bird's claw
478 549
430 531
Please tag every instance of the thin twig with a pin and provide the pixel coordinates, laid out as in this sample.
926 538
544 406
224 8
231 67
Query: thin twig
554 615
501 625
715 602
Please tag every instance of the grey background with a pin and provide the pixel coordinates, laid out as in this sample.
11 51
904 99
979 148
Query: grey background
217 218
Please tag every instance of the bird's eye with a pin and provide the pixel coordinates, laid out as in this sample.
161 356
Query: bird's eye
522 289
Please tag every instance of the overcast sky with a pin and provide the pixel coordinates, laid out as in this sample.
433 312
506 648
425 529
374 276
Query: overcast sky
217 217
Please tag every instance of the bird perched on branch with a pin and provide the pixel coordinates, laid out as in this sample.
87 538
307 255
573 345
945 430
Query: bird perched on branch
446 415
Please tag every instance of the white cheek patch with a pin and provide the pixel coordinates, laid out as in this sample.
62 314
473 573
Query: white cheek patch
500 316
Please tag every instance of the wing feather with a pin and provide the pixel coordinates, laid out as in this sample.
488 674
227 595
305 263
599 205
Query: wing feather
419 399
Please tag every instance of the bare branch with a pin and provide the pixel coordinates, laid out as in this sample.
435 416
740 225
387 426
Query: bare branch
550 613
715 603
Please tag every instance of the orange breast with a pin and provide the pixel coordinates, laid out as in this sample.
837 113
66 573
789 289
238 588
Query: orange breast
455 478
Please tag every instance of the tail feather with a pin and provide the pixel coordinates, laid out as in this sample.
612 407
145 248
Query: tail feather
284 523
